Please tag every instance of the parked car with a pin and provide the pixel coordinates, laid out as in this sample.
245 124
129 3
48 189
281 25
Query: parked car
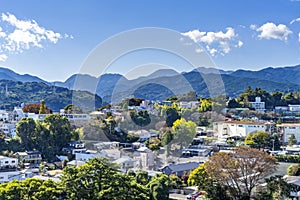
194 196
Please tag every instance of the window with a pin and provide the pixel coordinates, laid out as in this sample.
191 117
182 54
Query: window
6 162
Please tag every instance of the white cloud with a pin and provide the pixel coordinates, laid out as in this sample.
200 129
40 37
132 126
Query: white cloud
295 20
299 37
272 31
253 27
24 34
239 44
216 42
3 57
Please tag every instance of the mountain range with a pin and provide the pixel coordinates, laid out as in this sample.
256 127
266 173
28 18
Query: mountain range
166 82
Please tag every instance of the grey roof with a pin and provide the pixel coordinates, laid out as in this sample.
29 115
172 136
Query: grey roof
183 166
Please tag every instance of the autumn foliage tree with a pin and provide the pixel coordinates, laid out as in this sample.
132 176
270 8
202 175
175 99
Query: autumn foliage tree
35 108
240 170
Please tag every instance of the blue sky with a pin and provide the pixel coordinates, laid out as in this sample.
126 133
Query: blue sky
52 39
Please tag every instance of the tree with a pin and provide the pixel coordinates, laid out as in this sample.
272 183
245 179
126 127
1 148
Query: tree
35 108
292 140
99 179
277 188
167 138
184 132
141 118
72 109
60 132
241 170
293 170
43 109
232 103
205 105
172 116
199 177
25 130
260 139
159 186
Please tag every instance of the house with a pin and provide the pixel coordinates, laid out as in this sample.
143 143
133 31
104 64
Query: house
107 145
10 175
145 158
74 147
237 128
85 156
180 169
32 157
125 163
8 163
286 130
258 105
294 108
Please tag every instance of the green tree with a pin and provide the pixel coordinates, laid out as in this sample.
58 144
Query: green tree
141 118
159 186
184 132
72 109
171 116
25 130
293 170
43 109
292 140
277 188
232 103
99 179
260 139
205 105
60 132
167 138
199 177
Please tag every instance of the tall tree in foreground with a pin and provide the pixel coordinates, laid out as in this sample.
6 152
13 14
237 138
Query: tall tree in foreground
241 170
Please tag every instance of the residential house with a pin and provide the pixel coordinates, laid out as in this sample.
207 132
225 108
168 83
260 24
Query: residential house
32 157
89 154
145 158
258 105
286 130
125 163
240 129
74 147
8 163
180 169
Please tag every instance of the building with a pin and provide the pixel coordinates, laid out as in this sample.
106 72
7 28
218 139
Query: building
85 156
32 157
125 163
8 163
240 129
286 130
145 158
258 105
180 169
74 147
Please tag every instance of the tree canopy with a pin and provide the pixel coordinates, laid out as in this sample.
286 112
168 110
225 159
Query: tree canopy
241 170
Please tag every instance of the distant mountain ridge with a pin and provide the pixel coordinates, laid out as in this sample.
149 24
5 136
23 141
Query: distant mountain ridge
165 82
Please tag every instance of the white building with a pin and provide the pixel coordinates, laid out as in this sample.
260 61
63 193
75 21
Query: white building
189 105
125 163
286 130
294 108
10 175
145 158
237 128
85 156
7 162
258 105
